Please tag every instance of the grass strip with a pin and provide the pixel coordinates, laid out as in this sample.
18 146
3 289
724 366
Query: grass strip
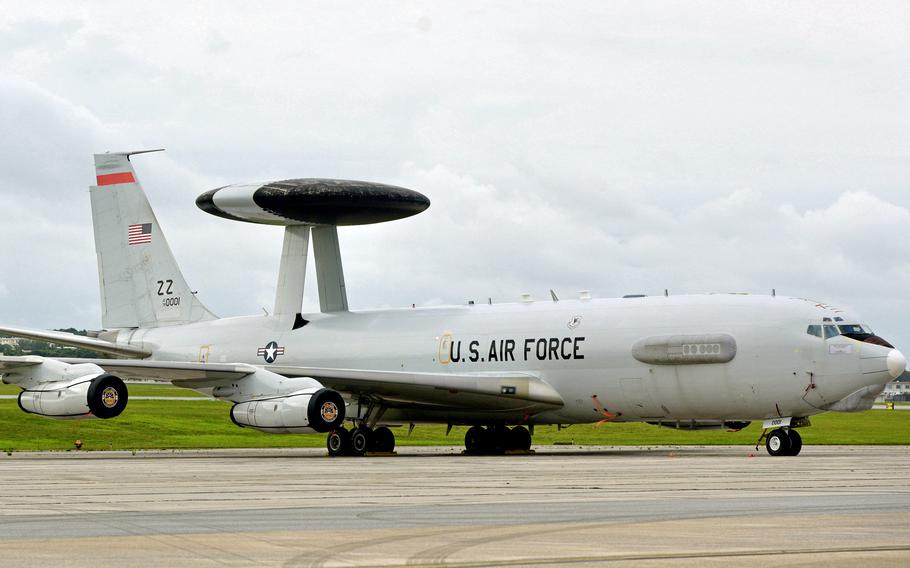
163 424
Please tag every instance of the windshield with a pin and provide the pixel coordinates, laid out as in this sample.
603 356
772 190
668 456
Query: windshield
854 329
859 332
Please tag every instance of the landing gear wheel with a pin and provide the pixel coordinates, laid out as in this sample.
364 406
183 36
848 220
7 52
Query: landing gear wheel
475 440
778 443
519 438
383 440
796 442
499 439
338 442
360 441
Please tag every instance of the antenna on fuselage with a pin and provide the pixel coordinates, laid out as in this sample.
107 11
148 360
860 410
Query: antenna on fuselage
317 207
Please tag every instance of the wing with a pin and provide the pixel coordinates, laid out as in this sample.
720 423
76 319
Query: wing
486 391
73 340
186 374
11 362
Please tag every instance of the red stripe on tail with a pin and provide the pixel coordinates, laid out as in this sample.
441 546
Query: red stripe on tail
111 179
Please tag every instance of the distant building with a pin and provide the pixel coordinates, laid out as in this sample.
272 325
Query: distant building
14 341
898 390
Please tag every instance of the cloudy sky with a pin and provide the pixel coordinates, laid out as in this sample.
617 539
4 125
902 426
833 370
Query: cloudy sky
616 147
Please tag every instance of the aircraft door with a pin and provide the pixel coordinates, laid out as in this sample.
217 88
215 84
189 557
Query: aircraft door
813 347
813 353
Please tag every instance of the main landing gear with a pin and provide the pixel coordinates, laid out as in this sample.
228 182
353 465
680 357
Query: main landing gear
783 442
496 439
359 441
478 440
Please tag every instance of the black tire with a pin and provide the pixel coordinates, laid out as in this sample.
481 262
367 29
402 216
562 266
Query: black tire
383 440
796 442
475 440
499 439
519 438
107 396
778 443
360 441
325 411
338 442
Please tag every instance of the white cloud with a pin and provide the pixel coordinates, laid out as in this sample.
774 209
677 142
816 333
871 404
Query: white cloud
615 147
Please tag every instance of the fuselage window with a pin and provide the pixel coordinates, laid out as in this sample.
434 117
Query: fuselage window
831 331
815 330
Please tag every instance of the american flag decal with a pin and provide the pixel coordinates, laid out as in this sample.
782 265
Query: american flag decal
139 234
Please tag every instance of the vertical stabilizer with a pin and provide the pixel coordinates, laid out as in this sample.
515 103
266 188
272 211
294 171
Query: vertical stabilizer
141 284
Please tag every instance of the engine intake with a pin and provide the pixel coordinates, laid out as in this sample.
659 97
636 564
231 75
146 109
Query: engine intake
100 396
314 409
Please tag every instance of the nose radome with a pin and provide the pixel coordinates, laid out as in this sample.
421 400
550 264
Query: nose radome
897 363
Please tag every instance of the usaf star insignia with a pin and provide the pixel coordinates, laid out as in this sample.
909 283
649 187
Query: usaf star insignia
270 352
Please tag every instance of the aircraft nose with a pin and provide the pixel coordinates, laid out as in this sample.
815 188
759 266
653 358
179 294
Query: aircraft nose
897 363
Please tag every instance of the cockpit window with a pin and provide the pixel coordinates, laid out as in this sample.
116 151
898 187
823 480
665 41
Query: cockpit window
857 332
852 328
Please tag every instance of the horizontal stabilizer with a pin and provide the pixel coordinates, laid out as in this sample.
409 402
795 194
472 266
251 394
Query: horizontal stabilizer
73 340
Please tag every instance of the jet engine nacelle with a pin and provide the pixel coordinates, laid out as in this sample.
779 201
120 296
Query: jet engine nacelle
314 409
98 395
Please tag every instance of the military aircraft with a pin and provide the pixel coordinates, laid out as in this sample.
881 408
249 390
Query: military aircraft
687 361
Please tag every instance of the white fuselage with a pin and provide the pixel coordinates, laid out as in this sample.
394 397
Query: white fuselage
582 348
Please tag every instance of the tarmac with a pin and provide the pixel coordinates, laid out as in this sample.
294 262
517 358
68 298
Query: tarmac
561 506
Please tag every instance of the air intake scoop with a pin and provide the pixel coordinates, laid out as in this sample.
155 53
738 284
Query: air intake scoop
313 202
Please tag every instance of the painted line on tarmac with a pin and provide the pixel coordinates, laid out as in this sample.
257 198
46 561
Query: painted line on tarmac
642 557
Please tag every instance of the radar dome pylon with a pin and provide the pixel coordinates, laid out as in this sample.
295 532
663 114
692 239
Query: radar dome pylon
311 206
